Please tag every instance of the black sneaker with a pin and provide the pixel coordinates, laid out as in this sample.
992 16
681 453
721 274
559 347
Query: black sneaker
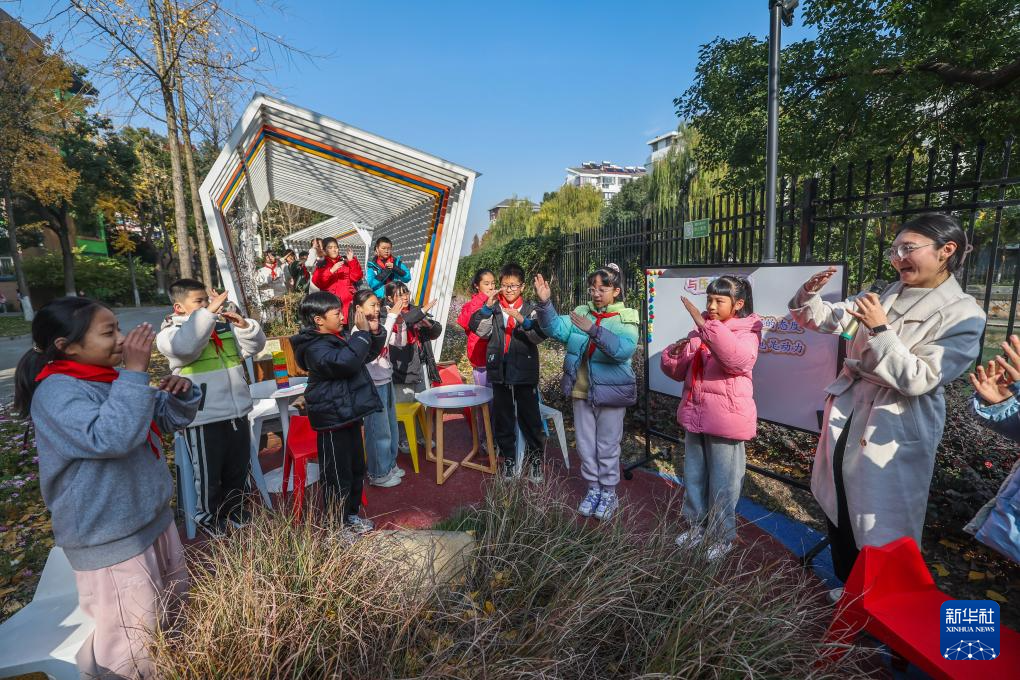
358 525
535 469
509 468
215 527
239 517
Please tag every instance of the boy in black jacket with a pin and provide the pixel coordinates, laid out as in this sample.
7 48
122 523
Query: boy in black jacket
339 395
511 326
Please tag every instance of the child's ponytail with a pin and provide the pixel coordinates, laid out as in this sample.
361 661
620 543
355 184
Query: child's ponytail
66 318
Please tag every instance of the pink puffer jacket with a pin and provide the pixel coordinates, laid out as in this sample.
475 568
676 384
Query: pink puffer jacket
715 367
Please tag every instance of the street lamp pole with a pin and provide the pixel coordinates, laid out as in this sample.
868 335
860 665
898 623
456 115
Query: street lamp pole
780 12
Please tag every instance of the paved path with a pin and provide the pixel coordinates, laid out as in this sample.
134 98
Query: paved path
11 349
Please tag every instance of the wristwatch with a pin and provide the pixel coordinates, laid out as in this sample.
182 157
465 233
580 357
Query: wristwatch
879 329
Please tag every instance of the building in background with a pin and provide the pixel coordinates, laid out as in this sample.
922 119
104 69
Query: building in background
495 210
660 146
605 176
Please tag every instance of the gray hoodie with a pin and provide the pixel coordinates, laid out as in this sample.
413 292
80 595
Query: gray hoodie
108 493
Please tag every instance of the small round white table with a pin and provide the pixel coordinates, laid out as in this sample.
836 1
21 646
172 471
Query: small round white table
284 397
455 398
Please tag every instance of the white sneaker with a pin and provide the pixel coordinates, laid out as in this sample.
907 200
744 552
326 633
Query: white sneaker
690 538
397 470
835 594
608 504
589 503
404 447
719 550
386 481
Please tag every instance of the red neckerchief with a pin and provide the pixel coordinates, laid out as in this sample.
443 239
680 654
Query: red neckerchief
217 341
382 263
412 336
697 370
92 373
510 321
304 269
272 270
599 316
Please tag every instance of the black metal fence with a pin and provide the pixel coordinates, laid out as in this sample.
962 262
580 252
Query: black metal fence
849 214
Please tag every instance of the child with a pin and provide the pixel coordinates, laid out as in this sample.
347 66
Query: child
511 361
717 409
381 431
482 286
316 253
997 523
336 273
270 278
300 273
339 395
103 475
411 348
385 268
209 345
597 376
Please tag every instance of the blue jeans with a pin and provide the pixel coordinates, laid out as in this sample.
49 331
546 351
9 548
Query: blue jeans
713 476
381 435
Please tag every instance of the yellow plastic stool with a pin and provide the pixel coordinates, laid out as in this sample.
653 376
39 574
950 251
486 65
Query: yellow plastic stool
407 413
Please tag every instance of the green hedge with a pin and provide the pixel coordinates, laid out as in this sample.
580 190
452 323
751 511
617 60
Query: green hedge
104 278
535 254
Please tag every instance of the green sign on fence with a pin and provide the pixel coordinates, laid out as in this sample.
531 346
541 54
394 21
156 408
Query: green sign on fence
696 229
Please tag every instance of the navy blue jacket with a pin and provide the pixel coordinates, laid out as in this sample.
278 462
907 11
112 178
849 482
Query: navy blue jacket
519 365
340 391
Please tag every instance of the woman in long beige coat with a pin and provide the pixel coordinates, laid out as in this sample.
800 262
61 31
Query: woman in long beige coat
885 412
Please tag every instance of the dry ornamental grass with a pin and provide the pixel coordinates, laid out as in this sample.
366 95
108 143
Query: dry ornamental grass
540 596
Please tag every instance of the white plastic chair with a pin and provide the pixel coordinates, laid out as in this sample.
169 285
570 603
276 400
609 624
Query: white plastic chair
548 413
45 636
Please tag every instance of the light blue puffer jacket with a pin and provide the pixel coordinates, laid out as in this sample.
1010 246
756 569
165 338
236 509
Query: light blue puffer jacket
610 375
997 524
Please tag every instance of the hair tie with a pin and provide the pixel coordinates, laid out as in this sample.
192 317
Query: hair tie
35 348
615 267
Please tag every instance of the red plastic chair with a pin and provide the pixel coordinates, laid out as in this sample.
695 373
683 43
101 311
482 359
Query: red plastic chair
302 446
892 595
449 374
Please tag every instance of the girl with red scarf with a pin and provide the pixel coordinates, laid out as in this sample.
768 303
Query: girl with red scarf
103 475
270 277
600 338
482 286
338 274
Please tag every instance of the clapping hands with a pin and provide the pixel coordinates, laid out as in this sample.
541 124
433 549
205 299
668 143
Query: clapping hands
992 382
542 289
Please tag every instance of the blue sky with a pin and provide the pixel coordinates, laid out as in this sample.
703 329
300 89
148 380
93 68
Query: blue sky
516 91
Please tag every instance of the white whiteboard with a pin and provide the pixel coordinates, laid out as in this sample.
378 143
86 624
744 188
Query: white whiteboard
794 366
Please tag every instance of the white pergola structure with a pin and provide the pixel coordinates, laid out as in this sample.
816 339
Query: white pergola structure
355 237
369 185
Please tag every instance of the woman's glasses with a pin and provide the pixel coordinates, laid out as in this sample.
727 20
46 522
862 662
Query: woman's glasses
601 291
901 251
